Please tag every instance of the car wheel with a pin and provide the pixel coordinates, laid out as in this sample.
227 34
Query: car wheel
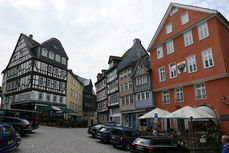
127 147
114 146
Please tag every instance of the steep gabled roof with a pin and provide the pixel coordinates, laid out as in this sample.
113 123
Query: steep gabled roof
54 44
189 7
30 43
117 58
131 55
145 61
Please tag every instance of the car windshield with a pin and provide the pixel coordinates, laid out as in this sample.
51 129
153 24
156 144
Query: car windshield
98 126
7 131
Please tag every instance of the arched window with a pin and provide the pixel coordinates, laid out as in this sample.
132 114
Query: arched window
57 58
51 55
44 52
63 61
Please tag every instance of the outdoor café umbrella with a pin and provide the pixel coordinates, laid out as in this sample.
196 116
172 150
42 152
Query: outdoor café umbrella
160 113
188 112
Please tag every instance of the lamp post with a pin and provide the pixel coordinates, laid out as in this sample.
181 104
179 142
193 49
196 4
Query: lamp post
191 128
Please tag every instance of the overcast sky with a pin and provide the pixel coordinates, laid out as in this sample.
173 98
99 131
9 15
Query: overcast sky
89 30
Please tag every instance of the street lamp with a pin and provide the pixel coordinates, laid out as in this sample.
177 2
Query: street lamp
191 128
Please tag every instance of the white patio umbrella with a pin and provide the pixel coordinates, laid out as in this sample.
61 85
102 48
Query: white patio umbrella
186 112
160 113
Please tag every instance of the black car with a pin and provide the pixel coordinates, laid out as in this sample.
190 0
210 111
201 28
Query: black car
92 130
104 134
151 144
22 126
123 136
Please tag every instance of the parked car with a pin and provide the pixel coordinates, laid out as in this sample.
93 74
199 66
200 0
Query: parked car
92 130
7 138
104 134
122 136
152 144
22 126
18 139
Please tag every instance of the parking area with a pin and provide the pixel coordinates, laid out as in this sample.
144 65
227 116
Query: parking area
63 140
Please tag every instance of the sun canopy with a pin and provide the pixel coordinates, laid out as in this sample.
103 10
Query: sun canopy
66 111
160 113
187 111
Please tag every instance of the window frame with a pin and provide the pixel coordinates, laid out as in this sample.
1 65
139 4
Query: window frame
199 30
169 28
192 63
183 16
187 35
167 96
170 47
181 99
203 58
160 49
162 72
170 70
202 97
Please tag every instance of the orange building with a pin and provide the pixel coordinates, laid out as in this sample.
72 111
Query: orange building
190 60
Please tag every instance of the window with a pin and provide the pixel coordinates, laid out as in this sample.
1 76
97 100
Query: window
43 66
50 68
126 86
44 52
192 67
169 28
162 73
188 38
131 99
138 81
143 95
159 52
200 91
127 100
41 81
179 96
61 99
144 79
40 96
169 46
48 97
63 61
48 83
203 31
147 95
165 97
130 84
54 98
51 55
172 70
207 58
184 18
122 88
57 58
138 96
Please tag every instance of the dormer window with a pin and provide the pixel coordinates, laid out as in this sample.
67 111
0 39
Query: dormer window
184 18
63 61
51 55
44 52
169 28
57 58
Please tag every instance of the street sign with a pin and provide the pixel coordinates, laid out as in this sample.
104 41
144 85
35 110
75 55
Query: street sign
155 115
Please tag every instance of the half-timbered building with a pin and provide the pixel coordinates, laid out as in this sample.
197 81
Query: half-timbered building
36 74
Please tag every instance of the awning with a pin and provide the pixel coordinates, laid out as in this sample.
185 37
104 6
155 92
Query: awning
54 108
187 112
160 113
66 111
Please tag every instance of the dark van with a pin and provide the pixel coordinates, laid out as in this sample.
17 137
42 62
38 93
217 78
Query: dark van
123 136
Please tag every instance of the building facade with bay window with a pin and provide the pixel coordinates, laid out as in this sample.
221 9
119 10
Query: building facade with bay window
36 75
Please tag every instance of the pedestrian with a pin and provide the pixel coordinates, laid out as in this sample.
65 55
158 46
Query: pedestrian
225 141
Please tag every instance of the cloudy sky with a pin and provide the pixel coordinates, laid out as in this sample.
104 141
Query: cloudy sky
90 30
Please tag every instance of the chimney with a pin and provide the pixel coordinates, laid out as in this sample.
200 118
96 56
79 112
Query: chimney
30 36
136 40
